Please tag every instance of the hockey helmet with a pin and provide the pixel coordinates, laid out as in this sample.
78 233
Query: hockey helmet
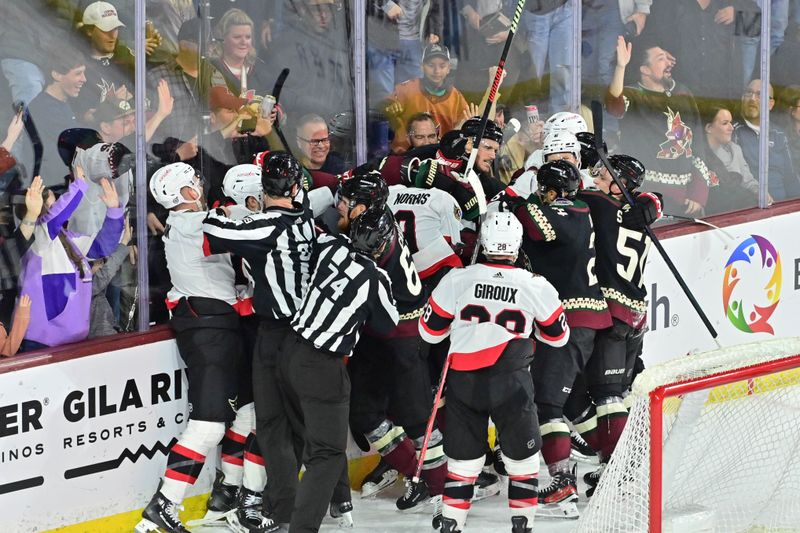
501 234
564 120
560 176
471 128
561 141
167 182
366 187
279 173
628 168
589 156
241 182
370 232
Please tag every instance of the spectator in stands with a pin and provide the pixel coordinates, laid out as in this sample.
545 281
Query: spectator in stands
115 119
792 123
432 93
314 142
701 34
189 80
398 31
513 153
783 178
737 189
234 55
658 121
550 43
10 342
55 272
167 17
27 32
603 21
16 240
52 113
748 22
102 319
422 130
7 161
109 67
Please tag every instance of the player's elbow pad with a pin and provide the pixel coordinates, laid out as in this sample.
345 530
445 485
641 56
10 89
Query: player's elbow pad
556 340
432 336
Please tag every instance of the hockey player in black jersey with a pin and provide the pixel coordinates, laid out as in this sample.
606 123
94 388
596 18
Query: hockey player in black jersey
347 290
391 398
561 244
203 302
491 311
622 249
277 244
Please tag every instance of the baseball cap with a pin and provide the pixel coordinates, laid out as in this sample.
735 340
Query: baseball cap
112 108
190 31
103 15
435 50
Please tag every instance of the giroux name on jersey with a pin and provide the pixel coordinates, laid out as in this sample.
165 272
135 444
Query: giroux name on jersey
493 292
412 198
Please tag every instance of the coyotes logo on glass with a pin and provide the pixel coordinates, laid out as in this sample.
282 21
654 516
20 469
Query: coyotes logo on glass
751 286
679 137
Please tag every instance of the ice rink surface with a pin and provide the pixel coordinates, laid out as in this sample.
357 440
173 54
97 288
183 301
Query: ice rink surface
492 515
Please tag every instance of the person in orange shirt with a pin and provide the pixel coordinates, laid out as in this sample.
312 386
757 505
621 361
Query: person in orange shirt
432 93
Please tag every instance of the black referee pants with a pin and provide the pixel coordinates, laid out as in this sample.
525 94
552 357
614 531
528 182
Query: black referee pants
280 446
316 389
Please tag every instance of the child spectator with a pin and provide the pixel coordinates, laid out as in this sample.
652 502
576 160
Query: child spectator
10 342
101 316
55 272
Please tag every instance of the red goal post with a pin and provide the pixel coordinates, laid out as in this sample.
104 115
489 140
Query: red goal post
712 444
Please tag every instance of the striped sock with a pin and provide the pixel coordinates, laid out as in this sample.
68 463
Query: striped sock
457 497
183 467
232 460
434 468
555 444
255 476
611 419
523 496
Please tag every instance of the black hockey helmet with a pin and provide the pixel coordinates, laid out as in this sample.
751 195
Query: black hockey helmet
560 176
279 172
628 168
367 187
589 156
471 127
370 232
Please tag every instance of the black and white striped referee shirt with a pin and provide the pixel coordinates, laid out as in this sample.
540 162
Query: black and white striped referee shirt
277 245
347 290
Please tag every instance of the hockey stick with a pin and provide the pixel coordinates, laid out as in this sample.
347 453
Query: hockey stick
701 222
597 117
276 92
429 427
473 180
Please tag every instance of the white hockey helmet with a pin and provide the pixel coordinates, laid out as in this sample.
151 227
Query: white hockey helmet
564 120
562 141
501 234
241 182
167 182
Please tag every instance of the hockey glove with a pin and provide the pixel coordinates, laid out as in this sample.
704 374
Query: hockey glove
511 202
453 146
645 211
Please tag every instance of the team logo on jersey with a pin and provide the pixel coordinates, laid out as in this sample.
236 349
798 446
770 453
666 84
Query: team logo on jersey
679 138
751 285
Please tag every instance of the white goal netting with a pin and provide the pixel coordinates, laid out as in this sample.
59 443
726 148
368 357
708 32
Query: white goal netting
731 453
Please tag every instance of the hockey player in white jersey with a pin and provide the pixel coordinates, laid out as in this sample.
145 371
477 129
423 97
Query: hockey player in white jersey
492 312
203 303
561 121
430 220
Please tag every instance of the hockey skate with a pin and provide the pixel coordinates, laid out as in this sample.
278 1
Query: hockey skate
343 514
593 478
161 514
581 451
486 486
449 526
249 516
559 499
519 524
380 479
436 522
415 498
220 505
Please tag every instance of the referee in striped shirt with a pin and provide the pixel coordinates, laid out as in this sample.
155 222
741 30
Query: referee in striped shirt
347 290
277 246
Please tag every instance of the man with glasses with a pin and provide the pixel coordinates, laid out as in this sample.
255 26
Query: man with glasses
314 141
783 180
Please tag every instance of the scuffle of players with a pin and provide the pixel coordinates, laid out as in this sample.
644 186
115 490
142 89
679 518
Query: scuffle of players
318 329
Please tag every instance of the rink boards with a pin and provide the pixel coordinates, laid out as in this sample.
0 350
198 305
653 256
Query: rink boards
83 441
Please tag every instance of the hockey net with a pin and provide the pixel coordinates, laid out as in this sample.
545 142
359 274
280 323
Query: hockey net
712 443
